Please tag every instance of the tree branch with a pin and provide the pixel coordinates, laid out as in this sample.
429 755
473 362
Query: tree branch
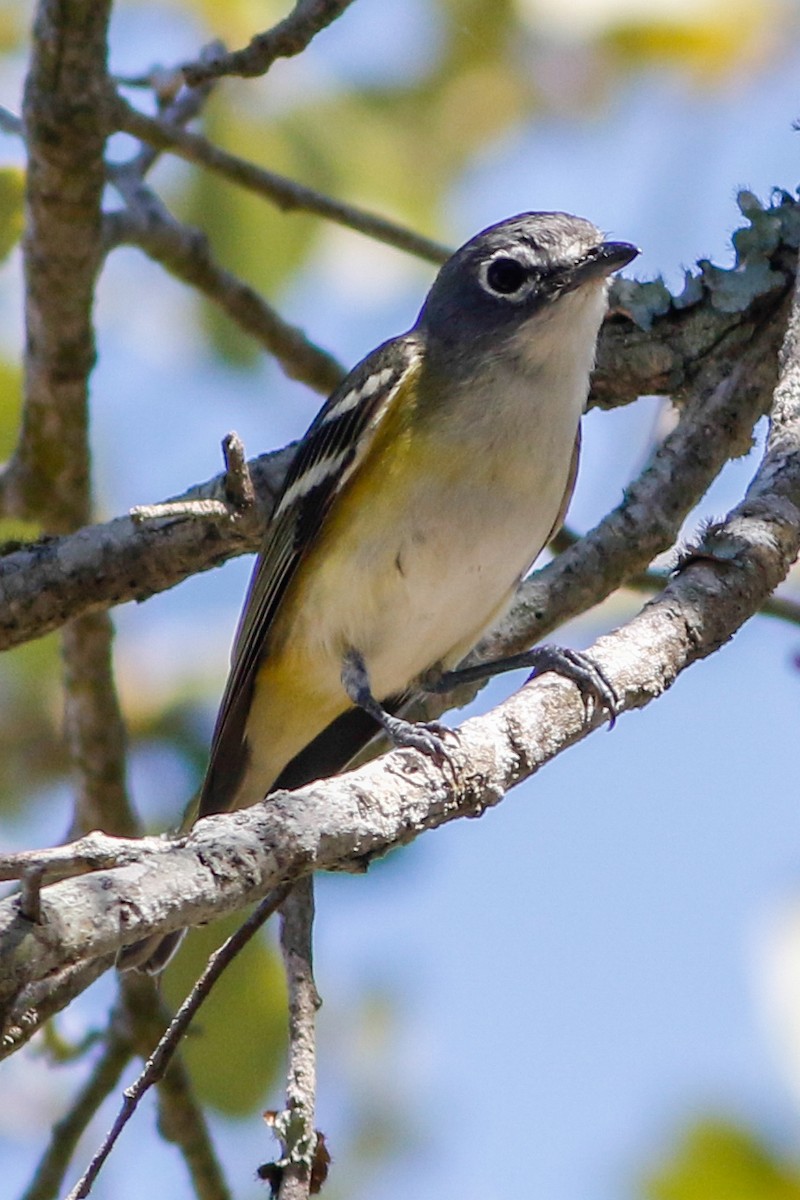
692 345
35 1004
228 861
287 38
181 1119
279 190
65 116
186 254
295 1126
163 1054
94 727
67 1132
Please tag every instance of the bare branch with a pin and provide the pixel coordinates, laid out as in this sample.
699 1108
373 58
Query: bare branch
180 1118
295 1126
65 115
161 1057
279 190
94 727
287 38
186 254
35 1004
44 584
228 861
95 851
66 1132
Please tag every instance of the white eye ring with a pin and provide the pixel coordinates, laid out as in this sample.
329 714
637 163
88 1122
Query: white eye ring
506 277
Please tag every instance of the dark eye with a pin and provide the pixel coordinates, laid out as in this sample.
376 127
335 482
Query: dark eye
505 276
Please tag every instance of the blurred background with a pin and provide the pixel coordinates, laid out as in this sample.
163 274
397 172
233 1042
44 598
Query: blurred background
593 993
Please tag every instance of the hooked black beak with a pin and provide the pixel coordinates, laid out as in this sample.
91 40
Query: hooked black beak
605 259
597 263
617 254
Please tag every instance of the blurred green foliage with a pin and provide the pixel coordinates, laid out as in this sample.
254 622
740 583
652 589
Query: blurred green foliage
12 187
720 1161
237 1042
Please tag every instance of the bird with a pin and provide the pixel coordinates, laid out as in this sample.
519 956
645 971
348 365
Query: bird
420 496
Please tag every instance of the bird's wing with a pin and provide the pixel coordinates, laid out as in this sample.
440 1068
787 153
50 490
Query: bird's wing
332 449
570 488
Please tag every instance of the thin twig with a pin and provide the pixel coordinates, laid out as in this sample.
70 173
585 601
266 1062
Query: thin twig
287 38
783 607
186 254
95 851
159 1060
178 105
66 1132
36 1003
285 193
10 122
181 1119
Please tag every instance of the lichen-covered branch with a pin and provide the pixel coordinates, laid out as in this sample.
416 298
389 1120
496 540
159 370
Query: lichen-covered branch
228 861
66 119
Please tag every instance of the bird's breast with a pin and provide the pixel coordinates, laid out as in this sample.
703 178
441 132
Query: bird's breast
424 549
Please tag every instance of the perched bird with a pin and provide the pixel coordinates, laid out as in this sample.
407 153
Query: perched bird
421 494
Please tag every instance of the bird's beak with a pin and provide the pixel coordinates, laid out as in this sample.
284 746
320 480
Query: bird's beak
604 259
598 263
617 254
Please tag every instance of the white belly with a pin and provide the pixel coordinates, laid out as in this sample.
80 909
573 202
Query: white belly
447 569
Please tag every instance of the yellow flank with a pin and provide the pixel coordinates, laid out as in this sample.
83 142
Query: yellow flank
298 689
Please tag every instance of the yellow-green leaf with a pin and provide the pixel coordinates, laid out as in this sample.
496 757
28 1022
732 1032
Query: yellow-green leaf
236 1043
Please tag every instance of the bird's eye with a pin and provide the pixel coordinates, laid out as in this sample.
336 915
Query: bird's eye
505 276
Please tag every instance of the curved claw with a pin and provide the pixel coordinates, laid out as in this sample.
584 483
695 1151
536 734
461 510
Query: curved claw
584 672
426 736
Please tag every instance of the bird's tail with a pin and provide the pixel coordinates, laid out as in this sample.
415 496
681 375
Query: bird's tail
330 752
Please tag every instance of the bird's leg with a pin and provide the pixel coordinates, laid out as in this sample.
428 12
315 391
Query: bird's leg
582 670
427 737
